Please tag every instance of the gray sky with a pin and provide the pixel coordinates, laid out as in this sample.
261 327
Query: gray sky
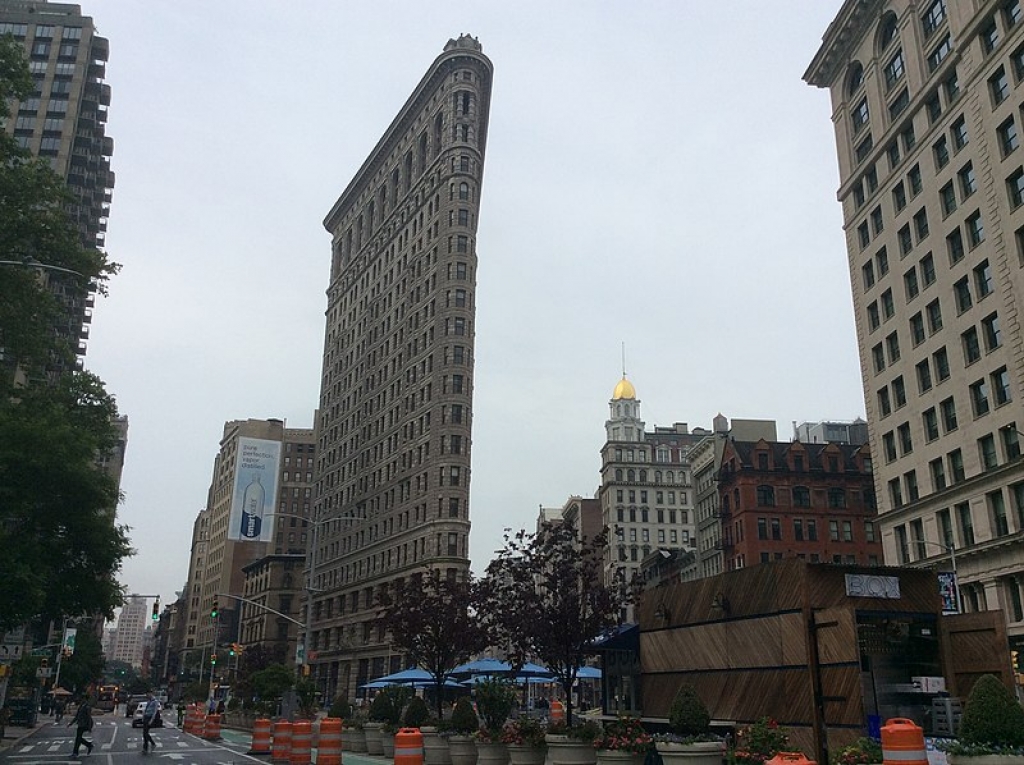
657 174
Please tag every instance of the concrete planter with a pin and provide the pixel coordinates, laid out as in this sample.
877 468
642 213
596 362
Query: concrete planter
435 748
563 750
617 757
519 754
372 731
699 753
353 740
985 759
462 750
491 753
387 742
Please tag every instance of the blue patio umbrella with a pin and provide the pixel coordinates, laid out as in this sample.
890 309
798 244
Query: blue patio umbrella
486 666
412 675
534 670
588 673
376 684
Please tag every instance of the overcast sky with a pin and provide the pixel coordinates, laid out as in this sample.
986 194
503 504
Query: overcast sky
657 174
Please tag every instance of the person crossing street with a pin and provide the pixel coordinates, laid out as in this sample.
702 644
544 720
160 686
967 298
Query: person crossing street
83 723
149 716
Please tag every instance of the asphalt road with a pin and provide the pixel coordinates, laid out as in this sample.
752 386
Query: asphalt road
115 741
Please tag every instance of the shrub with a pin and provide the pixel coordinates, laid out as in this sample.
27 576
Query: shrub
340 708
464 721
688 716
759 743
863 751
416 714
581 730
992 715
625 734
523 731
398 696
380 707
494 702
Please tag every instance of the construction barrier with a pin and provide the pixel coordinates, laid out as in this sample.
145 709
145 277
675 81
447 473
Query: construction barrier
557 712
193 719
903 743
260 737
328 750
302 741
281 751
211 728
408 747
790 758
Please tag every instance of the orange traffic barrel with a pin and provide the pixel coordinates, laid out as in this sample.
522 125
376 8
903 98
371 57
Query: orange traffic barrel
260 737
790 758
557 712
193 720
211 728
903 743
408 747
302 741
281 751
328 751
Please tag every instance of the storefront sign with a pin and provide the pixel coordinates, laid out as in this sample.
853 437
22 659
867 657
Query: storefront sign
872 586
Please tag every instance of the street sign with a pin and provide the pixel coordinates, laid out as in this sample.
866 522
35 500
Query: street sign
9 652
44 672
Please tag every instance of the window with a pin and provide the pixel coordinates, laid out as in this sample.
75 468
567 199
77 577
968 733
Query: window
858 195
933 17
801 496
882 262
899 197
928 270
1007 132
910 479
873 319
894 70
1015 187
905 439
914 179
837 498
884 405
1017 59
889 446
987 452
833 530
962 294
1011 445
948 409
956 466
864 148
933 106
941 359
899 392
1012 16
892 343
871 178
972 348
983 279
947 197
766 496
963 515
863 235
999 86
917 335
989 37
938 54
878 355
812 530
955 246
898 106
991 332
876 221
888 308
860 115
968 183
896 495
979 398
938 472
924 377
868 273
762 528
921 224
776 529
934 312
959 132
931 424
975 230
1001 387
952 87
940 150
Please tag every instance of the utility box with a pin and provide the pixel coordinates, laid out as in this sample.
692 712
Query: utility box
946 713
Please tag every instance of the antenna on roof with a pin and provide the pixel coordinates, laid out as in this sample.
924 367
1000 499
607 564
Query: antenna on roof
623 358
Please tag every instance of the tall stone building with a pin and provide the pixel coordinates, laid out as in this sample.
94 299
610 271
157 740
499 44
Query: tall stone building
132 623
926 101
64 120
396 395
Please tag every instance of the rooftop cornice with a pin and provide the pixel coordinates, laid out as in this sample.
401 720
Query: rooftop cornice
845 32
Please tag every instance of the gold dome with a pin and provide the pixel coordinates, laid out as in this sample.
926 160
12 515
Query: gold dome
625 390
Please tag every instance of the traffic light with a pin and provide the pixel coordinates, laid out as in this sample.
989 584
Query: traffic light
44 662
213 658
1015 658
231 649
156 610
214 612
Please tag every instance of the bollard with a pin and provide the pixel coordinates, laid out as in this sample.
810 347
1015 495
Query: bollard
328 751
302 739
260 737
409 747
903 743
557 712
211 728
281 751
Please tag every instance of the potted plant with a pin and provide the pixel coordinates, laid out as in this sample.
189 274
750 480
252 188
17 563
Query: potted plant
991 729
435 747
376 715
461 733
623 742
573 744
398 695
690 741
524 739
759 743
354 733
863 751
494 701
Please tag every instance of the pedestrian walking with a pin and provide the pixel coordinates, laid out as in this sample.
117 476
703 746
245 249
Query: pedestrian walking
58 710
83 724
149 716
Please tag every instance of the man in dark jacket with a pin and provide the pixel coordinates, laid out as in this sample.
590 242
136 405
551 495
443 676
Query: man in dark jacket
83 723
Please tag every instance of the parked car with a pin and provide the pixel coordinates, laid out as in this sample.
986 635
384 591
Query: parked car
140 711
132 703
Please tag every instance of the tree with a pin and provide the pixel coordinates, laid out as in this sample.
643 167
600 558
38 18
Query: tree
545 596
85 666
61 546
433 620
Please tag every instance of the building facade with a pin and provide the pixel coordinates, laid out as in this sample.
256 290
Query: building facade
396 397
129 642
64 120
926 104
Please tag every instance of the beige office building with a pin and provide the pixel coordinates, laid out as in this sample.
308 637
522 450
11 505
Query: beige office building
396 397
926 107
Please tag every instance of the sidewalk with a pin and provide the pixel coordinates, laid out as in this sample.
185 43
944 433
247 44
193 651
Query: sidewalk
13 735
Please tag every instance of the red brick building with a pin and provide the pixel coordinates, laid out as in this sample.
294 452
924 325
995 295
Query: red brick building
815 502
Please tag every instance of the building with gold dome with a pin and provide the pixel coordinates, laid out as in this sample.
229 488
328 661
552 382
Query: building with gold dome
646 492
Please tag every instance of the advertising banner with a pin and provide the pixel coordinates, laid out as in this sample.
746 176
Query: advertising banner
255 490
949 593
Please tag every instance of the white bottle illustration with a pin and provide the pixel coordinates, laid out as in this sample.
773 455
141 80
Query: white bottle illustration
252 508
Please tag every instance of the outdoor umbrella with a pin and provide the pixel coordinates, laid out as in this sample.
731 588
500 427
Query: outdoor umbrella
376 684
413 675
534 670
588 673
483 667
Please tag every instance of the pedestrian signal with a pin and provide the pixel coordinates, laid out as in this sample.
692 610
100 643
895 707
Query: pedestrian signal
156 610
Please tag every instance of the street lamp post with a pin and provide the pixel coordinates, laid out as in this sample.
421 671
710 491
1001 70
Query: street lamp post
951 549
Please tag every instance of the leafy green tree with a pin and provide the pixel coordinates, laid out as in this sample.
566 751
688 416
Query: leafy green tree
272 682
85 666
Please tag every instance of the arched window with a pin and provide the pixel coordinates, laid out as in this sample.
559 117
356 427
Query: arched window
463 190
643 476
631 475
670 477
618 474
657 476
766 496
887 31
801 496
854 78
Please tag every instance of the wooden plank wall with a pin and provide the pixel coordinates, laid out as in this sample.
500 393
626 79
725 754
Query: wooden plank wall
973 645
